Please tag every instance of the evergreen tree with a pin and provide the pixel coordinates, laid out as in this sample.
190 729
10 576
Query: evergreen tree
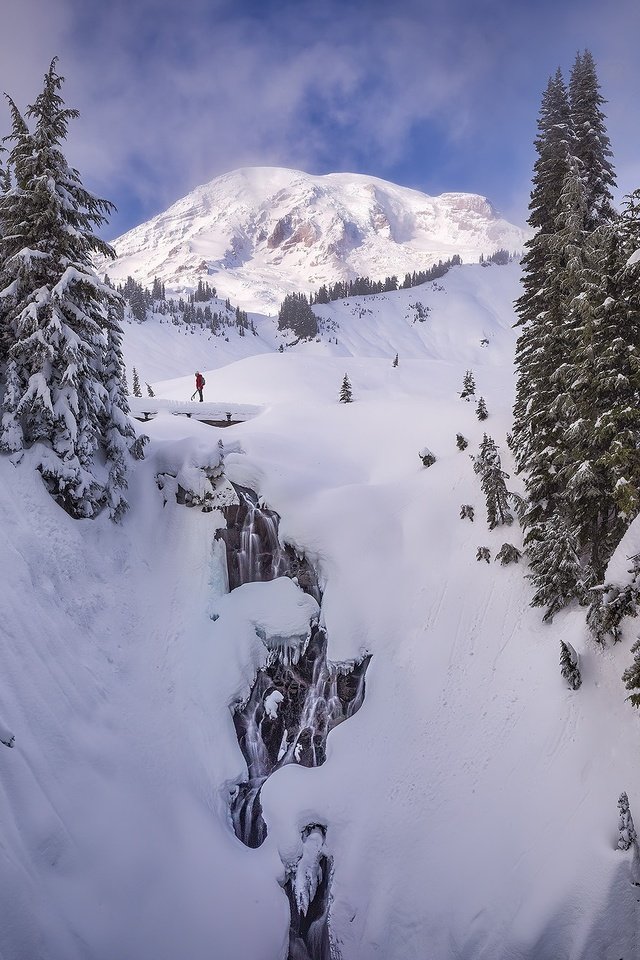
150 392
468 386
137 391
631 676
118 436
574 433
59 319
591 145
507 554
539 348
346 393
556 567
395 362
481 410
135 295
569 666
296 315
613 602
483 553
626 830
461 442
488 466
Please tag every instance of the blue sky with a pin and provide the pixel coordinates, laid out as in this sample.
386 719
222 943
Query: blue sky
434 95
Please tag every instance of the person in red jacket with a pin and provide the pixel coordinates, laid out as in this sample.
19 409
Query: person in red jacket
199 384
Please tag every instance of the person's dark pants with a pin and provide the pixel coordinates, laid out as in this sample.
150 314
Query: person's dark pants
200 393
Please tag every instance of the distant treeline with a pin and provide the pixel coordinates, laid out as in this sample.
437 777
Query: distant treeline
365 286
200 308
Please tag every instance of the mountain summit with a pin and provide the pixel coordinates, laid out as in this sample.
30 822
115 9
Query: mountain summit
260 232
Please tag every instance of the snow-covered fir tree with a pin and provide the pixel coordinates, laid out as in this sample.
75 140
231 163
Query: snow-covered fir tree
556 566
489 468
569 665
468 386
508 553
150 392
591 144
612 602
573 435
481 409
627 835
346 392
63 362
119 440
631 676
461 442
296 315
538 352
137 389
395 362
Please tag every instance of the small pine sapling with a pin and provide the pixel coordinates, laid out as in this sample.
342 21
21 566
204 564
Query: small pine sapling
508 554
150 392
395 362
569 666
483 553
468 386
467 512
137 392
627 835
346 392
428 459
461 442
481 410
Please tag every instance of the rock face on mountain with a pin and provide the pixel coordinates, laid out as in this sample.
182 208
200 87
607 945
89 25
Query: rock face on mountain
261 232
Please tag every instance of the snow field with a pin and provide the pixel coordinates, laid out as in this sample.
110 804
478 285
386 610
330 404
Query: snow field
470 804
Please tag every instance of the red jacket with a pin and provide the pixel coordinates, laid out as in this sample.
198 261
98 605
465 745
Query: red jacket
199 381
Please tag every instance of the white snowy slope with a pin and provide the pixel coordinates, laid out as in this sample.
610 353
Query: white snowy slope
461 310
469 805
261 232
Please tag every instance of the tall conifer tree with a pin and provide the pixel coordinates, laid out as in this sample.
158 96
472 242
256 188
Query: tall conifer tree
591 145
538 351
64 361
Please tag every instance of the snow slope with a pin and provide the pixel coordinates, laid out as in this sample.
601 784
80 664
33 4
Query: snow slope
469 805
261 232
466 307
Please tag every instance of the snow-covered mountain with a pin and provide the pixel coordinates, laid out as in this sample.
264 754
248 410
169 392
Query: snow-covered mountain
466 809
261 232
